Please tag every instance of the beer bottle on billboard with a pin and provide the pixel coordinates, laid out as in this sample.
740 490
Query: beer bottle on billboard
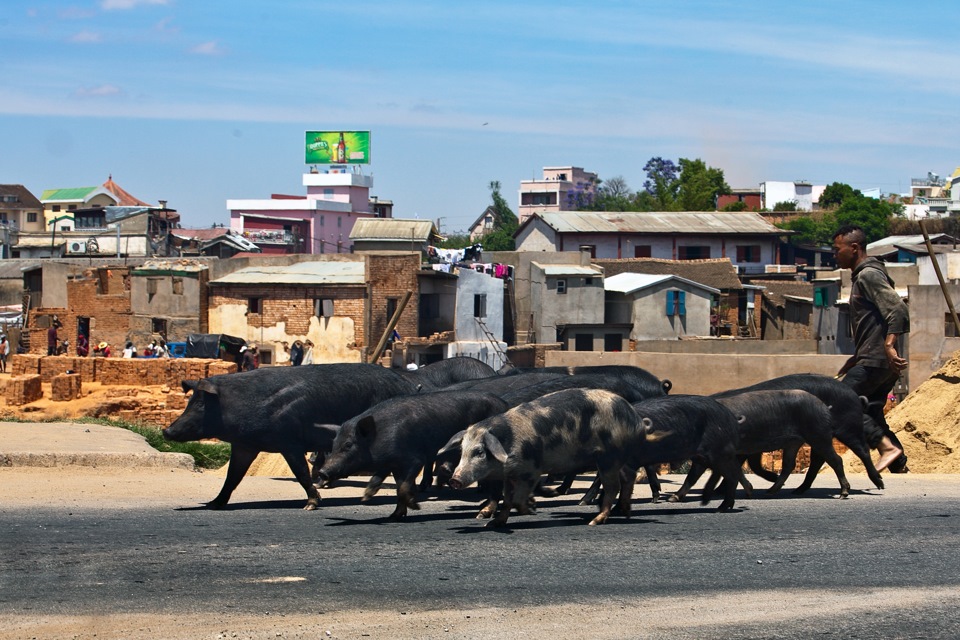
341 150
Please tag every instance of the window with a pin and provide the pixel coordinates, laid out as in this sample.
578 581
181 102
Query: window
31 216
254 304
748 253
323 307
71 207
480 305
328 194
588 282
391 307
583 342
612 342
538 199
693 253
339 221
321 220
561 286
152 286
642 251
676 303
824 297
159 325
56 208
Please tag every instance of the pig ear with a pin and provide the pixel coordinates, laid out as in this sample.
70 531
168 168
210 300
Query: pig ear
189 385
452 443
207 387
367 427
494 447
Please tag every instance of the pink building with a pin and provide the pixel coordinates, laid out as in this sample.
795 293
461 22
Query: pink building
319 222
561 189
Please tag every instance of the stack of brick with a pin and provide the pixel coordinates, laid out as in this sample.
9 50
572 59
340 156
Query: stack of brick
160 413
65 387
24 364
22 390
187 369
218 367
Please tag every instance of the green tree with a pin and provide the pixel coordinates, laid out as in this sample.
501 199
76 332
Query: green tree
834 195
739 205
870 214
786 205
614 195
816 230
699 186
504 225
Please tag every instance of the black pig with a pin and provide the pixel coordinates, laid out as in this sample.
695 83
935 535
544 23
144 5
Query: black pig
281 410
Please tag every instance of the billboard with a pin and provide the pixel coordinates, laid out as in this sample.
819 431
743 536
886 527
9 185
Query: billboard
338 147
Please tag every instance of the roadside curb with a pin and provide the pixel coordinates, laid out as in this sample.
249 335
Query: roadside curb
99 459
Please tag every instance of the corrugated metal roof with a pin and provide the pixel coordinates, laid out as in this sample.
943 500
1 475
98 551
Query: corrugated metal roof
701 222
715 272
332 272
392 229
77 193
630 282
567 270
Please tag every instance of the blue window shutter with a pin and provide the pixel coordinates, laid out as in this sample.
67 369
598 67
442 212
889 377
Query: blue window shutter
670 302
682 302
818 300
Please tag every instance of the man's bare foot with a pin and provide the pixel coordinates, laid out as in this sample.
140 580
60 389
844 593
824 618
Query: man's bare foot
888 453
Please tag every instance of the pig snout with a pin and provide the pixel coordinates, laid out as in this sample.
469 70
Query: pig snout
455 483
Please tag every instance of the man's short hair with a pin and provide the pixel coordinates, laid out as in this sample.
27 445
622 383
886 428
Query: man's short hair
852 233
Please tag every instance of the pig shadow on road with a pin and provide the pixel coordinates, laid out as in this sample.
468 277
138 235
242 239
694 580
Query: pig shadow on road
410 518
251 506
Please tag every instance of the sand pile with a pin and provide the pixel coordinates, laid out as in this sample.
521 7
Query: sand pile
927 422
268 465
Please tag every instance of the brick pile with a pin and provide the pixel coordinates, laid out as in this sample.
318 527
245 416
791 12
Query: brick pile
65 387
22 390
24 364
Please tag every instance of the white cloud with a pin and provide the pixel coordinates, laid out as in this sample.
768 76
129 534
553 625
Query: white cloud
208 49
99 91
86 37
113 5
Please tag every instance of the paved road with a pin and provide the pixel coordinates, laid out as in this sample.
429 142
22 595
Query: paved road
267 555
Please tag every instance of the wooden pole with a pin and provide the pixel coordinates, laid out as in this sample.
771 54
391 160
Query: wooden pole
390 327
943 285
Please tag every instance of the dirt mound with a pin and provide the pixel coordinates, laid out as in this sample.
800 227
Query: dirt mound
268 465
927 422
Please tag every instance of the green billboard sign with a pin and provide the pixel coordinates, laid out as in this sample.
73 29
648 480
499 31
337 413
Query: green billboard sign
338 147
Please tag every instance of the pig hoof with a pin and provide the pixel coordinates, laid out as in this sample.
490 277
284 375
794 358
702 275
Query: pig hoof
674 498
414 505
310 507
216 505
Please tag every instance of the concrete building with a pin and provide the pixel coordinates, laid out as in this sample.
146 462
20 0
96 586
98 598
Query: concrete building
479 319
659 307
20 210
560 189
319 222
746 238
800 192
341 303
564 294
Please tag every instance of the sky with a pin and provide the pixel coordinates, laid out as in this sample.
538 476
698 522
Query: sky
199 102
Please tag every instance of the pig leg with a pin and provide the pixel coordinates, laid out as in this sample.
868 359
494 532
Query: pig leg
756 465
591 494
427 479
503 511
301 471
610 479
654 481
240 460
406 492
628 479
788 464
696 470
564 487
373 486
825 451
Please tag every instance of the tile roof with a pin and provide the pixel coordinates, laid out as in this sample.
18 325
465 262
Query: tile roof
718 273
25 199
124 199
777 290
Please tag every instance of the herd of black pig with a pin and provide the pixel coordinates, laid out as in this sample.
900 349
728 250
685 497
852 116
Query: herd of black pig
464 422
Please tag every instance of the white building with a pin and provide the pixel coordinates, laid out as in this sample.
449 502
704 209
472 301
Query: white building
800 192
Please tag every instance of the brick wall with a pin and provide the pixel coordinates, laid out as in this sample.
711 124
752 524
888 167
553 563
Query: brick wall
391 276
120 371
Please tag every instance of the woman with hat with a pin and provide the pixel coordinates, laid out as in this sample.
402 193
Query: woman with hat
103 350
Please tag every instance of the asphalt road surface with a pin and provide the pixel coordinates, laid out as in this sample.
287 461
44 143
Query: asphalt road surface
879 564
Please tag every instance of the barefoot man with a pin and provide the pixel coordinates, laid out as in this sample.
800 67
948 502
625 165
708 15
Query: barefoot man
879 317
